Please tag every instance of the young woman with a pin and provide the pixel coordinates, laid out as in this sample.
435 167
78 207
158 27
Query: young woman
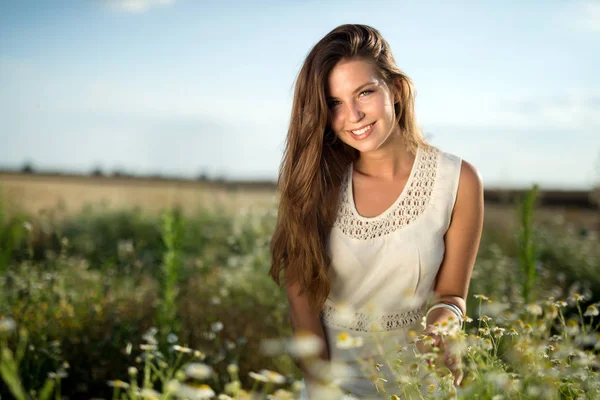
371 217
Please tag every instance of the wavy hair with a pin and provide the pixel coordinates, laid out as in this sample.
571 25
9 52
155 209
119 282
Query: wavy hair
315 160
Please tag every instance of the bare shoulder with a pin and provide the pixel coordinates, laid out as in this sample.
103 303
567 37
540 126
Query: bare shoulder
470 178
470 189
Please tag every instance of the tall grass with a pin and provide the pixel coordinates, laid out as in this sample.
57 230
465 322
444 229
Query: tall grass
526 244
172 234
12 234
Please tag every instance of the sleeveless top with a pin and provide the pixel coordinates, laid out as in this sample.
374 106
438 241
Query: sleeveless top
383 268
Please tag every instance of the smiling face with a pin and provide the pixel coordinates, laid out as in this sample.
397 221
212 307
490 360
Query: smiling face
361 105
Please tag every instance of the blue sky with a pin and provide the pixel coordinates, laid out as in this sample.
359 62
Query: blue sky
184 86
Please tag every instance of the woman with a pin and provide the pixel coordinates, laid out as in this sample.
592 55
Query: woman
371 217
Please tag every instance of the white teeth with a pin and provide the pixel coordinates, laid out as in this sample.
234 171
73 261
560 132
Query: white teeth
363 130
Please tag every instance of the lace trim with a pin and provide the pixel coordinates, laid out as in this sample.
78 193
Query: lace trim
363 322
413 202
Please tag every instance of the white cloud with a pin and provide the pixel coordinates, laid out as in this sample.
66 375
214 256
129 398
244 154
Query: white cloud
573 109
136 6
586 16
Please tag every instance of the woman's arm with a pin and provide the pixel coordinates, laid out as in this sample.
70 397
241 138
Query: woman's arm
302 319
462 243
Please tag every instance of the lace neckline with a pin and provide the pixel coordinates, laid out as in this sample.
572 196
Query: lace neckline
399 199
411 203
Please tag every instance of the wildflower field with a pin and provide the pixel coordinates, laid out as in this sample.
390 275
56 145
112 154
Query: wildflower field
123 304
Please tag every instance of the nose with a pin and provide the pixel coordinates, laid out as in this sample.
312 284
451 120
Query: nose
354 112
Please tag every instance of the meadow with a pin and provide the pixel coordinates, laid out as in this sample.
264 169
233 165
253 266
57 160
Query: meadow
170 298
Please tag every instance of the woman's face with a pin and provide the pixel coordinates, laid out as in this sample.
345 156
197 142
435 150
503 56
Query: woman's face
361 105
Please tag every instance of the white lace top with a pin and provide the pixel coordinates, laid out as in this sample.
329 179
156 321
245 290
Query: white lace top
383 268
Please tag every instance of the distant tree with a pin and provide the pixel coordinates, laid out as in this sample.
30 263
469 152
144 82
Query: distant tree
97 172
27 168
595 193
203 176
117 173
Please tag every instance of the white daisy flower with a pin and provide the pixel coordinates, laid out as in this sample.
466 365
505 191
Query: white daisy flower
216 326
297 386
304 344
198 371
591 311
281 394
118 384
272 376
534 309
498 332
344 313
199 392
182 349
7 325
258 377
577 297
199 354
344 341
233 369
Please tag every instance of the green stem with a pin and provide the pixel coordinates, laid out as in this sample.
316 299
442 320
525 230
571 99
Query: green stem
116 392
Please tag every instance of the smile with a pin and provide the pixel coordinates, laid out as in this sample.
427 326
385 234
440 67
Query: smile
362 132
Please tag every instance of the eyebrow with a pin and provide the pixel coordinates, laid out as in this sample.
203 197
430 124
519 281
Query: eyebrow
361 87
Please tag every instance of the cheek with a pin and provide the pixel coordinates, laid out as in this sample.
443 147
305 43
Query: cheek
337 122
382 105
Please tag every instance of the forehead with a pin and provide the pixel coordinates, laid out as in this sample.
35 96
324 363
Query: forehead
348 75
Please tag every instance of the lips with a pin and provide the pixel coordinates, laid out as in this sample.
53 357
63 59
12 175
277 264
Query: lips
362 132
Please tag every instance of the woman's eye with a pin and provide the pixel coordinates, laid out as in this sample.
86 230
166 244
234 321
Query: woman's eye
334 104
366 92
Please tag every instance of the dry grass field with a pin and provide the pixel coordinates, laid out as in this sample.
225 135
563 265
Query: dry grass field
66 195
34 193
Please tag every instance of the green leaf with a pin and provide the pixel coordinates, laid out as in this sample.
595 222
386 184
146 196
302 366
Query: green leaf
47 390
22 346
12 381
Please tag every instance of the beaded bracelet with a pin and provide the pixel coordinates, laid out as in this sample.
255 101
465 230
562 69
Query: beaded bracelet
452 307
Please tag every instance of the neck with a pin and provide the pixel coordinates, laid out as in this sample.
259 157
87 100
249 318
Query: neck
390 161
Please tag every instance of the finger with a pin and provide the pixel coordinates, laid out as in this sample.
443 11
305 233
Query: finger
425 346
457 371
455 364
458 377
451 359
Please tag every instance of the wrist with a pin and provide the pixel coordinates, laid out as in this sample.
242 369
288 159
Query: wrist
443 313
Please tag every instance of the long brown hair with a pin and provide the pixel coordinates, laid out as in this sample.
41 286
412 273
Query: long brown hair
315 160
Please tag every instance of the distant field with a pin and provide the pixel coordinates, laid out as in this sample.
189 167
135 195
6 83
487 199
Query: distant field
69 194
33 193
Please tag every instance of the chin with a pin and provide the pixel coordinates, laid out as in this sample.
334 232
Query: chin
367 145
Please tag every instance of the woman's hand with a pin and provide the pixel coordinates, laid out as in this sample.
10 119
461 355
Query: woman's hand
446 354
